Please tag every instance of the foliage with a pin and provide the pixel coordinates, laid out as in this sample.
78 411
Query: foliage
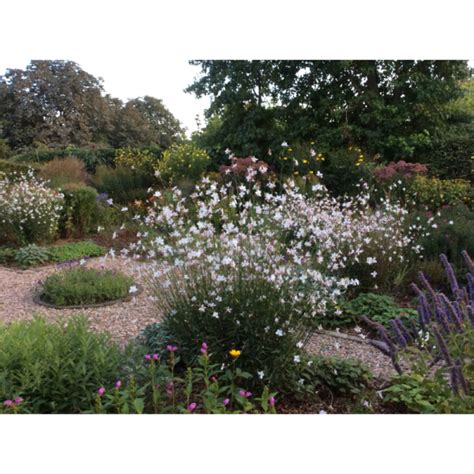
77 217
55 368
11 168
395 108
80 286
339 377
155 337
31 256
379 308
436 193
454 233
438 351
57 104
61 171
5 151
136 158
7 255
29 210
255 268
397 170
90 156
123 184
75 251
183 162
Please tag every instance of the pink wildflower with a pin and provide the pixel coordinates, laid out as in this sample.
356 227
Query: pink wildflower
101 391
171 348
8 403
192 407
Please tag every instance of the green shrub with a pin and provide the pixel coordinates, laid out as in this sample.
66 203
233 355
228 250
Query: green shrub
155 337
7 255
436 193
10 168
137 159
341 377
5 151
454 233
31 256
378 308
123 184
80 286
75 250
183 162
78 212
55 368
92 157
418 393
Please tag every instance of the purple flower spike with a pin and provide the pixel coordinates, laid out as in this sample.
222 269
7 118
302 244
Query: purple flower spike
19 400
271 401
171 348
226 402
118 384
156 356
101 391
192 407
204 348
147 356
8 403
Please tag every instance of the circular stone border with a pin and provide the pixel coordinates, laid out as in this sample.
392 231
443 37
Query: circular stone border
37 299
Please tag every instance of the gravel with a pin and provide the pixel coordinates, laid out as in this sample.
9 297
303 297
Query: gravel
125 320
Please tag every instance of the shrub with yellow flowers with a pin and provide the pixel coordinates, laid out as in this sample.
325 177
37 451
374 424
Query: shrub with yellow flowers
136 159
183 162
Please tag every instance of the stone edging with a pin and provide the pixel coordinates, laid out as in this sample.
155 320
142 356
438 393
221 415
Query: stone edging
37 299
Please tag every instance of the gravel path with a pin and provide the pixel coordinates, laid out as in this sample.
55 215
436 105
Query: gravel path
125 320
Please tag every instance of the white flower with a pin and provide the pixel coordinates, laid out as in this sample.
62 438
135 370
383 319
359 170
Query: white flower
110 201
296 359
100 229
371 260
215 315
450 222
261 374
82 261
323 412
133 289
124 209
299 344
284 144
279 332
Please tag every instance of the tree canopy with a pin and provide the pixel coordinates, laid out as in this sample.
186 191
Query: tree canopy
56 103
394 108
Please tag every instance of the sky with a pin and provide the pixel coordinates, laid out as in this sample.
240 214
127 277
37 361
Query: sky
142 47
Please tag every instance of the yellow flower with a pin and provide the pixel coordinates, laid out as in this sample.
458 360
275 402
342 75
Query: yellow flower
305 161
296 172
290 150
285 157
234 352
311 172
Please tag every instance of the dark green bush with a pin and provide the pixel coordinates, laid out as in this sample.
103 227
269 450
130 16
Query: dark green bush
339 377
5 151
31 256
80 286
55 368
78 211
7 255
378 308
123 184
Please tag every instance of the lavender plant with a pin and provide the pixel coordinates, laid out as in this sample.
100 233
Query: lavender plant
439 350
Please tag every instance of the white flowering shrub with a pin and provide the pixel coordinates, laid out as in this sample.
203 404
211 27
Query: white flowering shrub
248 268
29 210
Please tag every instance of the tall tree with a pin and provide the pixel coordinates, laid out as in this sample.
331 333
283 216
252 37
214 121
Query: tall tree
390 107
52 102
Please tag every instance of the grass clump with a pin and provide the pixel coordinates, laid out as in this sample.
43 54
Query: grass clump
81 286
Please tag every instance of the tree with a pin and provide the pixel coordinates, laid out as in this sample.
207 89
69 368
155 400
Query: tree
145 121
54 103
394 108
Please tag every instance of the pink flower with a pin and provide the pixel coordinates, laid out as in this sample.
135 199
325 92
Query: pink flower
147 356
8 403
18 400
271 401
171 348
118 384
226 402
156 356
101 391
204 348
245 394
192 407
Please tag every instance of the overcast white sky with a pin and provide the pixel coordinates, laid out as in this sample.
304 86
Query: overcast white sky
142 47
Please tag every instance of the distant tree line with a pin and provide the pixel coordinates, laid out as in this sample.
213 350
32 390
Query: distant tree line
58 104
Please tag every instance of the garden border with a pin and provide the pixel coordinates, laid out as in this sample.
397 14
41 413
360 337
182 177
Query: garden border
37 299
